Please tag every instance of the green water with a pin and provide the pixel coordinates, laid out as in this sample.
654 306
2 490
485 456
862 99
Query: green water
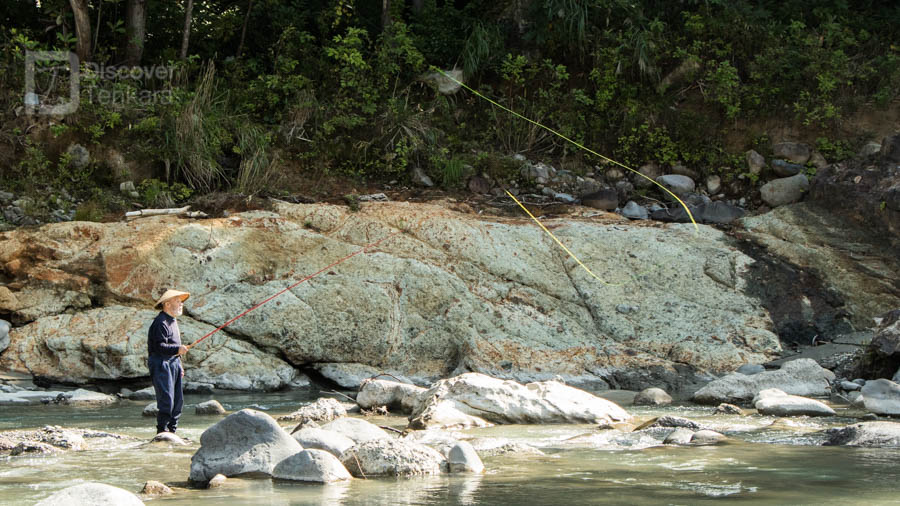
764 463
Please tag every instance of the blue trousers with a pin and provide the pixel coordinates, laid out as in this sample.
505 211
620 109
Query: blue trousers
165 372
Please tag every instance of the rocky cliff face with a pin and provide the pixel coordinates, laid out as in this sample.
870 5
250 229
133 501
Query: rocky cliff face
452 293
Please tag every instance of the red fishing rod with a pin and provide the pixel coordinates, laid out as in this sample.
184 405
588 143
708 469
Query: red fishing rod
320 271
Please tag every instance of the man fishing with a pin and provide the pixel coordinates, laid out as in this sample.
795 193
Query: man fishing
164 350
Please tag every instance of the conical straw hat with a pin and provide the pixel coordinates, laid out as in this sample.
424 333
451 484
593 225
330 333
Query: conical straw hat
169 294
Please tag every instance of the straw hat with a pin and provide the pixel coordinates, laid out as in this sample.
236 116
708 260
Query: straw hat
170 294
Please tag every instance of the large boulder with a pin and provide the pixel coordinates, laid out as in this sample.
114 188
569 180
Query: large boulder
786 190
393 457
796 152
332 442
92 494
798 377
311 465
244 442
359 430
882 397
504 402
652 397
398 397
773 401
865 434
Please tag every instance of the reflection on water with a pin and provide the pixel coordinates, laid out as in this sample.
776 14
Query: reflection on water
766 461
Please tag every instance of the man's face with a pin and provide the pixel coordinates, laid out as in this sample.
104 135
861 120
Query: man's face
174 306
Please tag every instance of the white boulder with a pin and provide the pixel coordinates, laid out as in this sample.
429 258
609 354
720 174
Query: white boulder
798 377
311 465
92 494
773 401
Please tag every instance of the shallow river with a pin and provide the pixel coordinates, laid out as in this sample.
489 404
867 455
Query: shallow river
765 463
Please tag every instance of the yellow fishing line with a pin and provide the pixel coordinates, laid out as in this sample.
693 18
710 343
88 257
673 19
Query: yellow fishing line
561 136
561 245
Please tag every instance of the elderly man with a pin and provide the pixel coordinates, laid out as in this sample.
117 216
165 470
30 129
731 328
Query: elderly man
164 350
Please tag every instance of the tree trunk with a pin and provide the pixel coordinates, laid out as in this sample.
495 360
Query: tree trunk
186 35
385 14
135 27
417 6
244 29
82 29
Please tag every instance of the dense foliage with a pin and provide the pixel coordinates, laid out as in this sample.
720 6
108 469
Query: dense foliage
271 90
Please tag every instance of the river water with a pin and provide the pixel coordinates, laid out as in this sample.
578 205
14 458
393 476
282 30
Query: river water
766 461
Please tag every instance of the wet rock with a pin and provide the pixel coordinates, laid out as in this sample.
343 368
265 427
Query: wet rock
500 401
882 397
330 441
787 190
168 437
751 369
890 148
651 171
755 162
679 436
707 437
633 211
849 386
869 149
728 409
784 168
393 457
217 481
462 458
360 431
155 488
672 421
652 397
677 184
324 409
492 447
32 447
798 377
196 387
796 152
418 177
773 401
82 397
150 410
243 442
144 394
210 407
317 466
398 397
873 434
606 199
91 494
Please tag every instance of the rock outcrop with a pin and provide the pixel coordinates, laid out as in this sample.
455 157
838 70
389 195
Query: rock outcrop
798 377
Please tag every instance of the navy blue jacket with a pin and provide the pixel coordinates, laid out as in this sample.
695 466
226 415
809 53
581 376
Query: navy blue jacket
163 339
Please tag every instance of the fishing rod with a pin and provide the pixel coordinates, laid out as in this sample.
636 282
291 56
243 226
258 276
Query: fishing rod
307 278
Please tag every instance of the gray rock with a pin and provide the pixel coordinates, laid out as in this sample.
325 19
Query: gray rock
784 168
82 397
882 397
33 447
360 431
624 188
351 375
627 309
751 369
713 184
393 457
80 157
144 394
418 177
860 381
168 437
397 397
896 377
492 447
445 85
755 162
324 409
606 199
316 466
650 170
217 481
478 184
6 197
330 441
682 170
674 421
126 187
795 152
210 407
4 335
92 494
728 409
871 148
243 442
462 458
539 172
788 190
707 437
679 436
196 387
874 434
150 410
652 397
890 148
677 184
817 160
613 174
773 401
563 197
856 400
850 386
802 376
633 211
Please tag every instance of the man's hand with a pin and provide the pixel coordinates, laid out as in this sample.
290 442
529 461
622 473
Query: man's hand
182 350
182 372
